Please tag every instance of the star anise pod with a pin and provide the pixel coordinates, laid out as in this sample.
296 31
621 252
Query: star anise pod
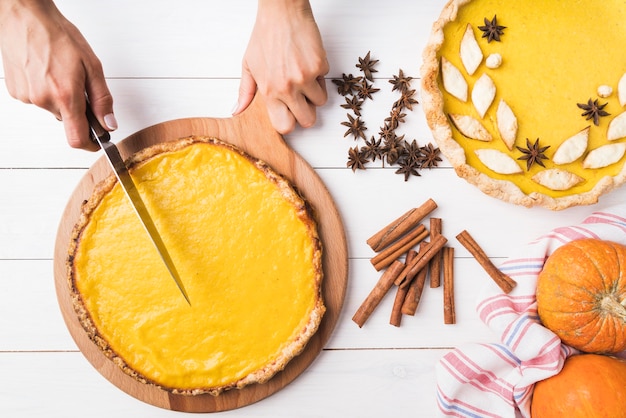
353 103
347 84
372 149
394 153
406 100
367 66
365 90
356 127
393 141
429 156
386 132
401 82
413 152
408 168
492 31
593 110
396 117
356 159
533 153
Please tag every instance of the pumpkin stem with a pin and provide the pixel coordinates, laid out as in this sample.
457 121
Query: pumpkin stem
612 306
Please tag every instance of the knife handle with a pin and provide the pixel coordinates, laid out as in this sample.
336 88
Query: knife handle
96 131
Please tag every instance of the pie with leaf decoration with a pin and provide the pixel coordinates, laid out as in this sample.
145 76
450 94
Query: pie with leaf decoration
527 99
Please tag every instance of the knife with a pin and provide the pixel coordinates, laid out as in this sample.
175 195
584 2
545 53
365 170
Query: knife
102 137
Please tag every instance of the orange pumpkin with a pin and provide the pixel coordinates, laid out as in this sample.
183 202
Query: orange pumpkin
581 295
589 386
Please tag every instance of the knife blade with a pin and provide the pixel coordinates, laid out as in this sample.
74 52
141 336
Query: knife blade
102 137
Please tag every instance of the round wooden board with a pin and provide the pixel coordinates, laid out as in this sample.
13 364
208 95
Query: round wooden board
252 132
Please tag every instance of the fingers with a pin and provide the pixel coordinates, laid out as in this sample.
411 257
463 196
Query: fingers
86 89
299 108
76 126
281 117
72 111
65 99
92 92
284 117
99 96
288 108
305 103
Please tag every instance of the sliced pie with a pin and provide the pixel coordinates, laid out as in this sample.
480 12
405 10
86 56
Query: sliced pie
247 249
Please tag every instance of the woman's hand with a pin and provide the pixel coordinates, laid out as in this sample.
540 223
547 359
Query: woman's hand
47 62
286 62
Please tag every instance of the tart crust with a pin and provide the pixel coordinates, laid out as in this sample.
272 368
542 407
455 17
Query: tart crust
173 304
434 102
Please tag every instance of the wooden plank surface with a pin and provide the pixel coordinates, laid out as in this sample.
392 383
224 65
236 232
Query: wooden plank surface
166 60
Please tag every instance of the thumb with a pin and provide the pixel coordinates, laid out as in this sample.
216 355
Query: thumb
247 90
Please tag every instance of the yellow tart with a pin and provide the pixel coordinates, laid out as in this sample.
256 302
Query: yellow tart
487 100
248 252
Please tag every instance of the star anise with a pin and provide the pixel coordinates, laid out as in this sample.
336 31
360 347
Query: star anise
429 156
492 31
386 132
406 100
365 90
393 154
393 141
356 159
347 84
372 149
367 66
533 153
401 82
408 168
356 127
353 103
413 152
593 110
396 117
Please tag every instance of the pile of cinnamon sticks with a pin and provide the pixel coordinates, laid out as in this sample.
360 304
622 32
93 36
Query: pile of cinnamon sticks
405 238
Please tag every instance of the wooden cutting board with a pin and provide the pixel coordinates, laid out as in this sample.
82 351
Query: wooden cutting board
252 132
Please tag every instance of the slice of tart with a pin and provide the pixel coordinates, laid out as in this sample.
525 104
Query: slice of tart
542 84
248 252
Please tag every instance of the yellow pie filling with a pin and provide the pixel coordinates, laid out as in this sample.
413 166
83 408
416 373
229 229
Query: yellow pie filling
555 54
248 254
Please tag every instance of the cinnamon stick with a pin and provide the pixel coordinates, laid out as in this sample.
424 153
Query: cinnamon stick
396 312
400 226
449 314
393 252
415 286
398 302
414 293
502 280
385 282
421 260
435 263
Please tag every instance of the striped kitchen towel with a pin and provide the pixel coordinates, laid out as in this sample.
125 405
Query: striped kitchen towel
497 380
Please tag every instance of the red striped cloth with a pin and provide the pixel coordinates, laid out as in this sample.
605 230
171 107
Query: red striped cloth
497 380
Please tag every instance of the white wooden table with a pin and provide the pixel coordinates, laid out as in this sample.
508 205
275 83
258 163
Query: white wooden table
171 59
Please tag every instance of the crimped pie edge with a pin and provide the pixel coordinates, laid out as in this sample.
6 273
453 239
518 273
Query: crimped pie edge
288 191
